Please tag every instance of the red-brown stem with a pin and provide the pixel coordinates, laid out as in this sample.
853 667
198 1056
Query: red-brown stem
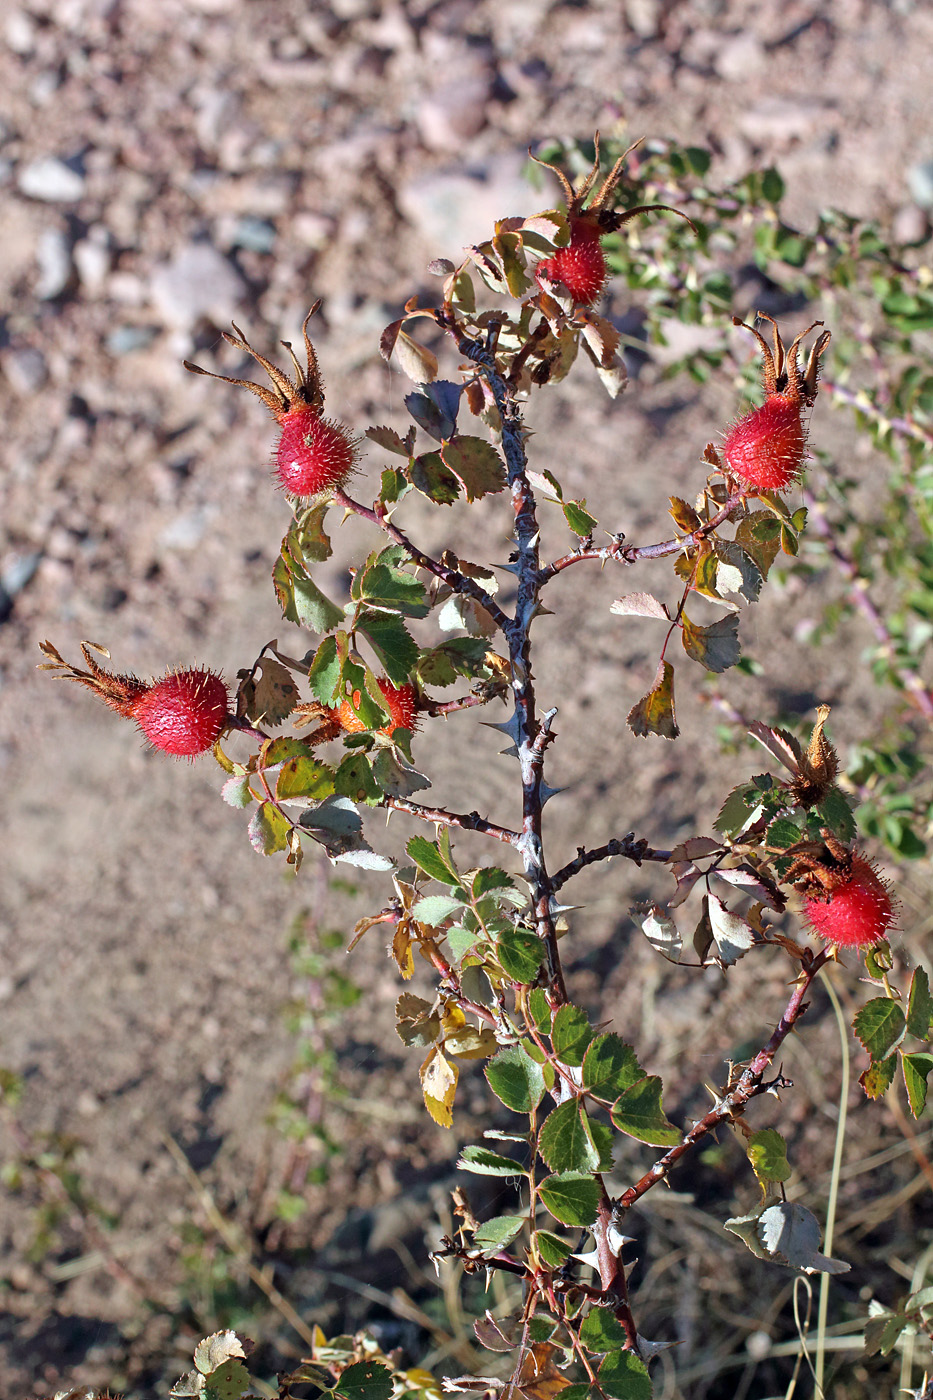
467 821
460 583
630 554
858 591
733 1104
449 707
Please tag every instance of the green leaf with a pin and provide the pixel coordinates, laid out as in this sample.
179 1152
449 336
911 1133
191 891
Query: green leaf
571 1034
491 878
565 1142
354 779
228 1382
638 1113
610 1067
427 855
878 1078
305 778
476 463
365 1380
579 518
736 571
434 909
268 830
390 441
299 598
495 1234
783 833
622 1376
717 646
835 813
539 1010
919 1005
383 586
486 1163
767 1152
601 1331
324 674
236 791
515 1079
736 810
435 480
392 643
654 712
552 1250
916 1068
521 954
571 1197
772 185
879 1025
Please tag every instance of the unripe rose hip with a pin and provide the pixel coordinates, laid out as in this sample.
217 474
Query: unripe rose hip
400 701
858 911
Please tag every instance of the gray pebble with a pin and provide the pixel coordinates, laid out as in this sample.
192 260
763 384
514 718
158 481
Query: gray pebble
123 340
25 368
920 183
198 282
51 180
53 254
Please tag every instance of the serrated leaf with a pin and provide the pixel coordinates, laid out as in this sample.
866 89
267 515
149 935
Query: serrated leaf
390 440
835 813
475 463
354 779
270 697
434 407
767 1152
228 1382
640 605
716 647
515 1079
791 1235
880 1026
736 571
268 830
417 1023
916 1069
395 777
733 934
638 1113
495 1234
624 1376
571 1197
439 1086
579 518
737 811
427 856
654 713
236 791
877 1079
392 643
434 479
571 1034
609 1067
919 1005
484 1162
565 1142
684 516
325 671
303 778
190 1384
520 953
782 834
552 1250
214 1350
365 1380
414 360
389 588
300 598
434 909
661 932
601 1331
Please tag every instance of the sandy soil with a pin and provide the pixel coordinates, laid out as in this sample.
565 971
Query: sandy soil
170 166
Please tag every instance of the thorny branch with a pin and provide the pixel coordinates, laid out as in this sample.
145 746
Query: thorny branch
467 821
627 846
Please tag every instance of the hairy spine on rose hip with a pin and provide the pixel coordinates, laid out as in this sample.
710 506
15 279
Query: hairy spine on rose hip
183 713
580 266
858 911
400 701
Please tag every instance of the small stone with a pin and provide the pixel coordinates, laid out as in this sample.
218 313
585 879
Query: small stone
258 235
910 224
644 16
920 183
739 56
20 32
198 282
92 258
55 181
53 254
25 368
123 340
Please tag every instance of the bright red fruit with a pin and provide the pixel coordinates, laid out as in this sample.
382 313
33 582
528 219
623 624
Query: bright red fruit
400 701
857 912
183 713
313 454
768 446
580 266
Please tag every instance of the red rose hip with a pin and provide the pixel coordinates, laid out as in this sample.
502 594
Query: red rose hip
184 713
858 911
400 701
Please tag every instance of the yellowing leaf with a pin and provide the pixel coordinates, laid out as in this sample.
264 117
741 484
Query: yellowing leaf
401 949
717 646
439 1086
654 713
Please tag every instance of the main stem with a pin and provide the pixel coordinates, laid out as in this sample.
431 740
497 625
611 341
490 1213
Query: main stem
530 737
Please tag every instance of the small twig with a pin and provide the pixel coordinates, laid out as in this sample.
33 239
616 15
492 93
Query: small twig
627 846
460 583
733 1104
468 821
436 708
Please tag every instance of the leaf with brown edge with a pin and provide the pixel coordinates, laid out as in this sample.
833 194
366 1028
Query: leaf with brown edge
640 605
715 647
684 516
654 712
476 463
439 1086
539 1378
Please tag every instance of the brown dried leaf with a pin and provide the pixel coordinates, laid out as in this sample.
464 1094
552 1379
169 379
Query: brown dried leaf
654 713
